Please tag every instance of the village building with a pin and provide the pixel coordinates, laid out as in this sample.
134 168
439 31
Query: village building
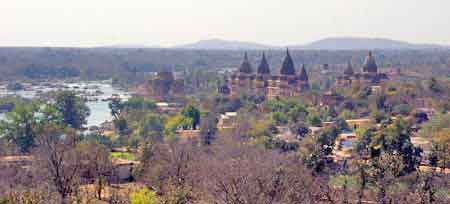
166 107
227 121
263 83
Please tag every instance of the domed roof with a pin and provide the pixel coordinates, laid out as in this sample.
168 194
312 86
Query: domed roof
263 67
369 64
349 70
303 75
245 67
288 65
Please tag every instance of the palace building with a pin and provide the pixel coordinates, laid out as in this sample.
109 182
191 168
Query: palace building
368 76
264 83
164 84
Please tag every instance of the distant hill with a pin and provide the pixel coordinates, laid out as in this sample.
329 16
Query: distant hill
350 43
129 46
218 44
338 43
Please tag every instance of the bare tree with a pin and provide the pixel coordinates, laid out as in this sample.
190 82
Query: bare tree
57 161
96 164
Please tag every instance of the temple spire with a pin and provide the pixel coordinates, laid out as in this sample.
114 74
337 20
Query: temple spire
349 69
288 65
370 64
263 67
245 67
303 75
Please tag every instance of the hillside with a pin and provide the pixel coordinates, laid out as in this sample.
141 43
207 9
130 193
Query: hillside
218 44
364 44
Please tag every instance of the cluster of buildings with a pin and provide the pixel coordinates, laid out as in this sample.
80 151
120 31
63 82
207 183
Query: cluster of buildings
288 82
262 82
163 85
368 76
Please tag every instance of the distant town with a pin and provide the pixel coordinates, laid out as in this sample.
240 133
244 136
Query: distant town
225 126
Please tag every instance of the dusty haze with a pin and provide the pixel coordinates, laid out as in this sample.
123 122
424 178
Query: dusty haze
84 23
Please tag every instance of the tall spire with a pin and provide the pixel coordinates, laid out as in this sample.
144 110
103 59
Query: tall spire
349 69
303 75
369 64
263 67
245 67
288 65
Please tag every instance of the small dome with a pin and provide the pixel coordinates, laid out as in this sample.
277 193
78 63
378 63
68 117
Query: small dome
288 67
369 64
263 67
246 67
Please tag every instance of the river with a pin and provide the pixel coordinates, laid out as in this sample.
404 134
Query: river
99 109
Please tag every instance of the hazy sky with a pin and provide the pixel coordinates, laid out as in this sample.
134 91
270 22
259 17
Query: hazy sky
169 22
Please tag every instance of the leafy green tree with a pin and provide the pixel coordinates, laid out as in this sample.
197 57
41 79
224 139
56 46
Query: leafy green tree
19 126
191 117
116 107
279 118
346 114
72 108
138 103
300 129
314 120
276 105
379 116
297 113
365 137
171 126
383 172
329 114
121 125
441 148
144 196
396 139
314 151
151 128
342 125
49 115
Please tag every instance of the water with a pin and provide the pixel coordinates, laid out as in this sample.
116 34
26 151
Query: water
99 109
99 113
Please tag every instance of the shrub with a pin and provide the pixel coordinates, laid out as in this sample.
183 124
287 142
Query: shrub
143 196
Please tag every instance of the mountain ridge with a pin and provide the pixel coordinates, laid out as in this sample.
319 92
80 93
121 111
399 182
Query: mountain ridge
215 43
332 43
359 43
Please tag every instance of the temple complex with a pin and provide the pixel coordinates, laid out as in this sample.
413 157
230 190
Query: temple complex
368 76
264 83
